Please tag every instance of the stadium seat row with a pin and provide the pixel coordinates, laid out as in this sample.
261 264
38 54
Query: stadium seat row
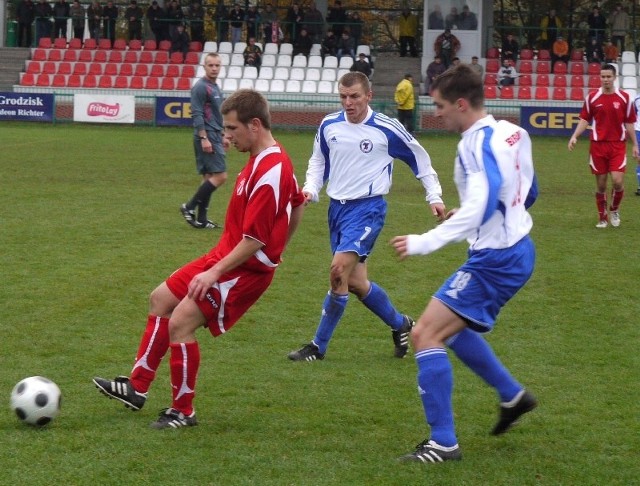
112 69
540 93
544 67
105 81
160 57
105 44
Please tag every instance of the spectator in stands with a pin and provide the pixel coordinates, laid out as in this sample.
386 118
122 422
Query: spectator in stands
180 40
549 29
408 24
594 51
196 22
451 20
295 19
222 24
355 24
476 66
436 20
61 13
467 19
134 16
236 23
156 17
507 73
269 24
25 13
303 43
454 62
559 51
252 54
620 24
43 13
510 48
94 15
77 19
446 46
337 18
329 46
252 21
406 102
346 46
314 22
109 16
597 25
175 17
362 65
611 52
435 68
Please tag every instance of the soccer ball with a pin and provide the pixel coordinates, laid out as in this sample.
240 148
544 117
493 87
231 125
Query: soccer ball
36 400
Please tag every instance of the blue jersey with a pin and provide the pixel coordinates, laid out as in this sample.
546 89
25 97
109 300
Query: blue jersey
496 183
356 160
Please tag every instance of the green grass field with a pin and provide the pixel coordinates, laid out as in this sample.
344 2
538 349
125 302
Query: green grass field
91 225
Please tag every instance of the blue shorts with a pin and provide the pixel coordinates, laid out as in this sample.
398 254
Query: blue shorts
486 281
210 163
355 225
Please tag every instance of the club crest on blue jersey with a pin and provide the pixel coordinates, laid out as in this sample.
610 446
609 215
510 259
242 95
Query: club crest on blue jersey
366 146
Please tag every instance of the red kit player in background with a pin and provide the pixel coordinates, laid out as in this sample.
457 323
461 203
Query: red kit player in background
612 115
216 289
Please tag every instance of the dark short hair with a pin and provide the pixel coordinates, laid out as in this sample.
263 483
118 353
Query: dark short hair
248 104
609 67
460 82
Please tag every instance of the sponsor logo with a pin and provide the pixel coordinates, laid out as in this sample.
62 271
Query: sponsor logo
103 109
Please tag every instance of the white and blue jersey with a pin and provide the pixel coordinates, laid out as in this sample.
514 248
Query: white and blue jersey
636 125
357 159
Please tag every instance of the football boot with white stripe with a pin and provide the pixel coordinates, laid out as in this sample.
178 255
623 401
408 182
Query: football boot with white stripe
429 452
308 352
171 418
401 337
120 388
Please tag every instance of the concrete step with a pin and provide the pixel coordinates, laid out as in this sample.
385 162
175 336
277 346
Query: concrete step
390 69
11 65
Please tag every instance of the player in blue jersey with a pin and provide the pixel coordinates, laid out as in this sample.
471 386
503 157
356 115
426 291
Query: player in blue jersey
636 105
208 143
353 153
494 175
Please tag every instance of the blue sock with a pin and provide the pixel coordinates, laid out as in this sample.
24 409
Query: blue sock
474 351
332 310
435 383
638 175
378 302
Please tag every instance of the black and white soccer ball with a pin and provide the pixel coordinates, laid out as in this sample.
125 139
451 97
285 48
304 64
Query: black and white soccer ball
36 400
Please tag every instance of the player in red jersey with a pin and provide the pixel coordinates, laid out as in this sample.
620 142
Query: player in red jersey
216 289
611 113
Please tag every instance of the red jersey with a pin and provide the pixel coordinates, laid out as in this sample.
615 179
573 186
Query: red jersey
260 207
607 114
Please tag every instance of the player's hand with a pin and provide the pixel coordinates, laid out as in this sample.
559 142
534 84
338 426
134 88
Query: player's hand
572 143
439 211
399 244
451 213
308 198
200 285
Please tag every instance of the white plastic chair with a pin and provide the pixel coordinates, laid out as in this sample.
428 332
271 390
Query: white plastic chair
328 75
268 60
286 48
237 60
284 60
312 74
234 72
245 84
345 62
628 56
225 47
271 48
314 62
261 85
210 46
293 86
364 49
309 87
330 62
250 72
629 82
230 84
299 61
239 47
281 73
265 73
277 86
316 49
297 73
325 87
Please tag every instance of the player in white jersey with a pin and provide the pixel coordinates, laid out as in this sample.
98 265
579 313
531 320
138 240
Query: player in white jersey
354 151
636 105
496 183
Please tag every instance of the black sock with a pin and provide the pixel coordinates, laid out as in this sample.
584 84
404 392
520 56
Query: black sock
201 200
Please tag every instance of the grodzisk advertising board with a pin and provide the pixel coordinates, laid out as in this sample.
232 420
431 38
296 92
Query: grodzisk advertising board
26 107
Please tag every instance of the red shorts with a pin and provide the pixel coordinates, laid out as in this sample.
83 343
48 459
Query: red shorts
228 299
605 157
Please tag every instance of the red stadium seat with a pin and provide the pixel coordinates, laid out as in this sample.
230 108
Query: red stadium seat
594 81
577 67
80 69
542 93
526 54
89 81
151 83
49 67
126 69
121 82
526 67
116 56
40 54
525 80
577 55
195 46
136 82
59 81
97 68
135 45
100 56
146 57
173 71
90 44
75 43
493 53
559 81
44 80
164 45
542 80
176 58
593 68
74 81
506 93
490 79
524 93
131 56
560 67
105 82
577 94
45 43
543 67
141 70
150 45
54 55
85 56
559 94
70 55
157 70
64 68
544 55
168 84
104 44
192 58
577 81
188 71
492 66
111 68
183 84
162 57
60 43
33 67
490 92
28 79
